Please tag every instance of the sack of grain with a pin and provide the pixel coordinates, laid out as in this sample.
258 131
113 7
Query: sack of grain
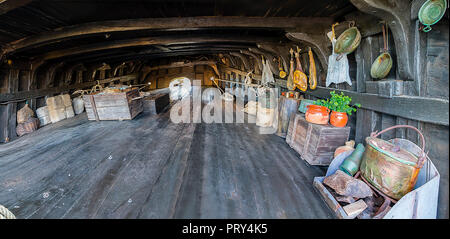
56 108
60 107
43 116
24 114
78 104
27 127
251 108
265 117
67 105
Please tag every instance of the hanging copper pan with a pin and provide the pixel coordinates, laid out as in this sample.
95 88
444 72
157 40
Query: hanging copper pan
383 64
348 41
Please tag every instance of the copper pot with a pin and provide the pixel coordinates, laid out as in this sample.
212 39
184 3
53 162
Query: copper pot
338 119
388 167
317 114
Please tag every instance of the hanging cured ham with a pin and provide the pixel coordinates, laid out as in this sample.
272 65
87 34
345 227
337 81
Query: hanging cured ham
290 80
300 79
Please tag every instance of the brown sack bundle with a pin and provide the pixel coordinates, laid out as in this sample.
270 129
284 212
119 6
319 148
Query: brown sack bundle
27 127
24 114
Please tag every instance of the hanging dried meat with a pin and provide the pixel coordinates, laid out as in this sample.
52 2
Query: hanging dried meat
300 79
290 80
312 71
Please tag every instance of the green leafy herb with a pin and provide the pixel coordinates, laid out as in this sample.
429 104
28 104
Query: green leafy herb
338 103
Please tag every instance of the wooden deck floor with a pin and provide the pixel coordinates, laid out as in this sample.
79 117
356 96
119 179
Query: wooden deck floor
152 168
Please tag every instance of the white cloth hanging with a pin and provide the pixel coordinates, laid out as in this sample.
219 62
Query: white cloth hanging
267 75
338 71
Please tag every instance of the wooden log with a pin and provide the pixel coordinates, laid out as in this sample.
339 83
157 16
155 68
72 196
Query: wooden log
146 41
431 110
44 92
301 24
8 5
177 64
239 72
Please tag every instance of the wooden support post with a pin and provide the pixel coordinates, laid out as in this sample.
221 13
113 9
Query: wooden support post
8 117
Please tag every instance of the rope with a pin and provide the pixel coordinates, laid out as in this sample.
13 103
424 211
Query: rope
96 87
5 213
333 35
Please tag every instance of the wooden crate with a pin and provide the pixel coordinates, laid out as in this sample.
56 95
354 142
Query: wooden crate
155 103
315 143
113 106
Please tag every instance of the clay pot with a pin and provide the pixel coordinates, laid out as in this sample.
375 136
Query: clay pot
349 145
317 114
338 119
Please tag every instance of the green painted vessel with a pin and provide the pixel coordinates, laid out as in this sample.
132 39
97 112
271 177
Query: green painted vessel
381 66
351 164
431 12
348 41
303 105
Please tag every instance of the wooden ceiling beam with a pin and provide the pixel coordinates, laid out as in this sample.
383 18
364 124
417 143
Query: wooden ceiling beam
160 55
8 5
298 24
114 55
147 41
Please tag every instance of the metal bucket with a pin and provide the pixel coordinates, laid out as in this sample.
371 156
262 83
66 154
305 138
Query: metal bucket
390 168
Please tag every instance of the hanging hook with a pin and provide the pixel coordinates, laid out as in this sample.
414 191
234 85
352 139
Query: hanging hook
351 23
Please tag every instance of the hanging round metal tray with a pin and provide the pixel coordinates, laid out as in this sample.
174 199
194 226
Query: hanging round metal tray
348 41
431 12
381 66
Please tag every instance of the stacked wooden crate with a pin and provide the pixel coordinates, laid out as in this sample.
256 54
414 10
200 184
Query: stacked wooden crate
59 107
123 105
315 143
155 103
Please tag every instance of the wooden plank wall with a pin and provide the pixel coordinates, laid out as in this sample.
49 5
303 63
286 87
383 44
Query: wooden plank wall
161 78
25 85
431 82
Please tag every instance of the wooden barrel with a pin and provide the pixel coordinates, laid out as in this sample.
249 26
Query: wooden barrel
287 106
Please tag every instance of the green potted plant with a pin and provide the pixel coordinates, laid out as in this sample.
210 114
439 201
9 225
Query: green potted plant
339 104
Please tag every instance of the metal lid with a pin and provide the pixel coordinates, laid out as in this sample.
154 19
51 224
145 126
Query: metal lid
392 151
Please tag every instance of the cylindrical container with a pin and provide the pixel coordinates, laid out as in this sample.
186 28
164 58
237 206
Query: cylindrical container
317 114
390 168
338 119
78 105
303 104
287 107
351 164
349 145
43 115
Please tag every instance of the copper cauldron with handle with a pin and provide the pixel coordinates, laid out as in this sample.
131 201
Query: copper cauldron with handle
389 168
